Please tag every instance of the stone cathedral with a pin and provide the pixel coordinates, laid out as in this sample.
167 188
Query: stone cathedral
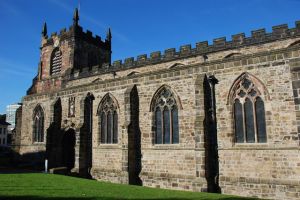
221 117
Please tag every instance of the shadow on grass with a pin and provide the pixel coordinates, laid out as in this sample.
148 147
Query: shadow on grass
18 171
112 198
13 162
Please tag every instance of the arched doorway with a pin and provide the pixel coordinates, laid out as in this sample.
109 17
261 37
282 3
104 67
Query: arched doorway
68 151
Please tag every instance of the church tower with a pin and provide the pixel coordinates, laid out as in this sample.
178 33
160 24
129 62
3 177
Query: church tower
70 50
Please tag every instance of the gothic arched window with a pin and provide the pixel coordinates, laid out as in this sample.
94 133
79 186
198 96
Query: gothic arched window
249 111
165 110
108 120
38 124
56 61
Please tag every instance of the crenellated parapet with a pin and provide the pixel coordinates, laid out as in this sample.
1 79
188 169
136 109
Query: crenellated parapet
79 33
201 48
75 31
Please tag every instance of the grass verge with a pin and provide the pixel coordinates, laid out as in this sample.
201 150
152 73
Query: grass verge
56 187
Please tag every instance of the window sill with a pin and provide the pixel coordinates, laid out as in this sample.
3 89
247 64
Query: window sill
250 145
38 143
108 146
167 146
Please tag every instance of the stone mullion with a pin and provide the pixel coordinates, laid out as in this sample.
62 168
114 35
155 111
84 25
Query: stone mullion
162 126
33 130
254 119
36 131
111 127
104 134
106 130
100 134
171 126
242 100
39 133
42 129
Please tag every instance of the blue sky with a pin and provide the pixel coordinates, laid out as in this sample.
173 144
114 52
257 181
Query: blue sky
138 27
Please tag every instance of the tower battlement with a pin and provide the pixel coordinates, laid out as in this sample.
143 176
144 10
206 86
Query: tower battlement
67 51
78 32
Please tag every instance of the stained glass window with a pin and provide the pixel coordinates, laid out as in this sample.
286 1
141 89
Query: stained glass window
115 126
109 126
103 127
249 121
175 125
249 113
108 119
158 126
239 121
260 118
166 118
38 125
166 126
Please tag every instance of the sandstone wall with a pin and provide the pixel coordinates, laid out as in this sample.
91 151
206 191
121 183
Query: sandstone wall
269 170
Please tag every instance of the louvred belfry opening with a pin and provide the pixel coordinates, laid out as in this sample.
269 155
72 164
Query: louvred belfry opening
56 61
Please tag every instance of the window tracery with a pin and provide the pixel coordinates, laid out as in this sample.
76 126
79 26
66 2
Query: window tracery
108 118
38 125
249 112
166 118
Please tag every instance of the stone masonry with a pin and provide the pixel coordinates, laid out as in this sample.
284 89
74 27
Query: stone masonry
266 170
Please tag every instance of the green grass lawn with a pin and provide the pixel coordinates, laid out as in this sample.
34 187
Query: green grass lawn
56 187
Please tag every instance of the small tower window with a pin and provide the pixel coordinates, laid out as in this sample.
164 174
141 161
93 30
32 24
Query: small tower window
56 61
